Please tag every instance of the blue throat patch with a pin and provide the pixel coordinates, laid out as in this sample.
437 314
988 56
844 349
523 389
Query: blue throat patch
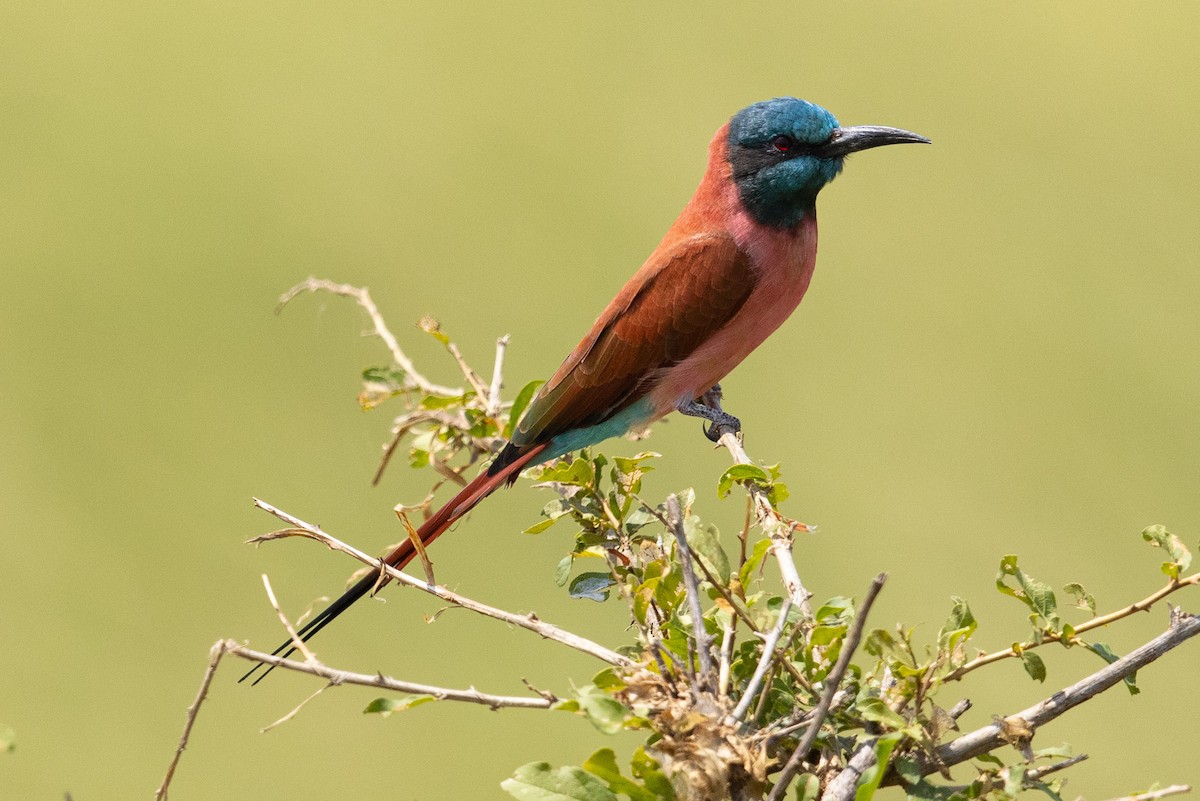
771 150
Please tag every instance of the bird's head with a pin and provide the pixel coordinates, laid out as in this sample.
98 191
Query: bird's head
783 151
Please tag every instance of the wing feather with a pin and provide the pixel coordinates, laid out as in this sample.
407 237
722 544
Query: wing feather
666 311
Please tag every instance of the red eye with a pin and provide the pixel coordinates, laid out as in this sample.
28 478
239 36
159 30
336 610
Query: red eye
783 143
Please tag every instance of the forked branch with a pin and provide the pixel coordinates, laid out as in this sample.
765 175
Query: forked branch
530 621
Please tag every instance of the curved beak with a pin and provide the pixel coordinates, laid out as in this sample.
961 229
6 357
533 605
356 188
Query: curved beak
845 141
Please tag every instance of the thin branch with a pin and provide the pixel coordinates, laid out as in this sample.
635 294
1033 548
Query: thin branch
363 298
831 687
530 621
295 710
1143 605
764 662
473 378
799 720
379 681
493 404
1037 774
779 531
301 646
214 658
1183 627
1152 795
721 589
844 785
727 640
699 632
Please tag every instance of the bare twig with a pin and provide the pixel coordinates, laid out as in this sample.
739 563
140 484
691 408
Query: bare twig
727 640
1143 605
699 632
530 622
493 403
214 659
832 681
1152 795
764 662
473 378
295 710
1037 774
301 646
336 677
779 530
1183 627
363 298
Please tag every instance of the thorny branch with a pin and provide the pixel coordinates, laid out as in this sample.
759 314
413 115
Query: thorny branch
703 641
337 677
363 298
831 686
1182 627
1023 724
1143 605
1153 795
529 622
764 662
214 659
777 527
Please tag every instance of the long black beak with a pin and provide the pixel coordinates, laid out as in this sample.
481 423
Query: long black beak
845 141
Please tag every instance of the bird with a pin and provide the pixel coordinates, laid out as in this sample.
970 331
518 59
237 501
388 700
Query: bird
734 265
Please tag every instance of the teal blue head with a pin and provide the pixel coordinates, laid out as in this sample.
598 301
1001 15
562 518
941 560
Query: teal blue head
783 151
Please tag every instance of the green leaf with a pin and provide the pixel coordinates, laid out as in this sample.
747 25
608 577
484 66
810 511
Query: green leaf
1051 788
1033 593
519 406
821 636
608 680
646 768
705 541
604 712
924 791
1061 751
593 586
1181 557
386 706
1034 665
576 473
908 769
603 763
808 787
1014 780
753 561
445 401
563 571
741 472
538 782
834 610
379 384
1083 598
1104 652
881 643
871 777
876 711
540 526
956 631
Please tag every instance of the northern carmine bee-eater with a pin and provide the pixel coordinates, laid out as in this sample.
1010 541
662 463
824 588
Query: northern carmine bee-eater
729 271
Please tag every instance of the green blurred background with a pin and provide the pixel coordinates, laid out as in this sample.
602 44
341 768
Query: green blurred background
998 353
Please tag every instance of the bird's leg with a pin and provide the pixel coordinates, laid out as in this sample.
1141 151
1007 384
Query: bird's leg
709 407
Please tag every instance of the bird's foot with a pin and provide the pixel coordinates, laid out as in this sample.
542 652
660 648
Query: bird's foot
710 409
